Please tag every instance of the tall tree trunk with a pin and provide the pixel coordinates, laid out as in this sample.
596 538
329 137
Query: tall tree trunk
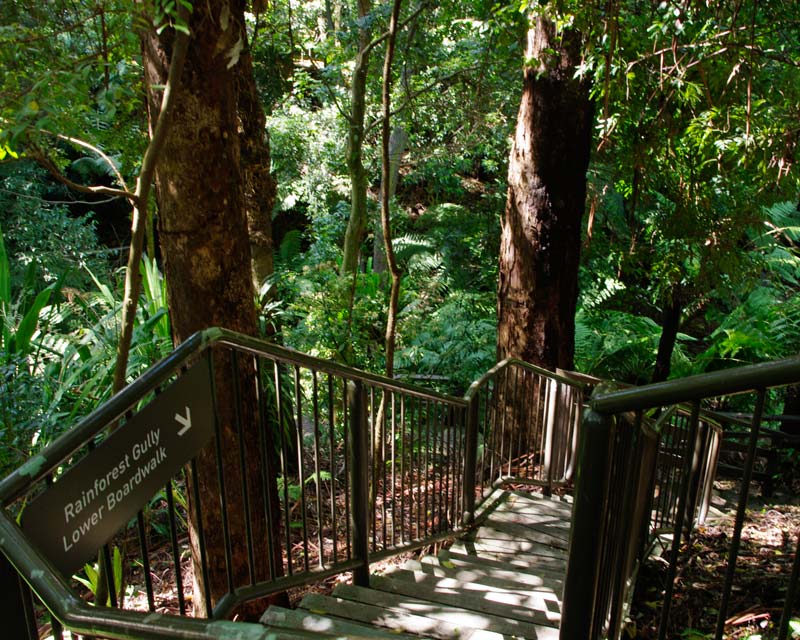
205 245
259 184
540 245
357 223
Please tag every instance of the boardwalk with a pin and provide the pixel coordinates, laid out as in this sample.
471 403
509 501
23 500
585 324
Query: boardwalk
504 580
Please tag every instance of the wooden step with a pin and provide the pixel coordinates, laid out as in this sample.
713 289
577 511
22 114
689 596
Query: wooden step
518 537
420 577
279 618
516 559
400 622
486 575
462 616
529 504
461 559
552 525
497 541
535 607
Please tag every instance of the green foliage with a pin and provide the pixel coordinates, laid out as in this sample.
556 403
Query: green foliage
622 346
42 234
93 575
57 358
455 341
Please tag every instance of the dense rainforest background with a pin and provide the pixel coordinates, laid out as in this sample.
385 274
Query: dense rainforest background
413 188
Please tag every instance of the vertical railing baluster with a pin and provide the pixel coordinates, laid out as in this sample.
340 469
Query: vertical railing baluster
237 419
514 427
176 552
530 421
488 434
683 497
284 456
436 509
470 459
741 508
347 432
385 394
428 465
300 462
502 407
791 593
403 449
359 483
715 438
148 579
267 468
393 441
332 465
317 478
372 464
201 536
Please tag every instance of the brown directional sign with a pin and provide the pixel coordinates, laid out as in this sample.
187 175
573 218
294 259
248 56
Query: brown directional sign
74 517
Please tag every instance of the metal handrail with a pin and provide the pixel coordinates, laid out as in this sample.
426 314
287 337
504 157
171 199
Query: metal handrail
725 382
595 592
56 593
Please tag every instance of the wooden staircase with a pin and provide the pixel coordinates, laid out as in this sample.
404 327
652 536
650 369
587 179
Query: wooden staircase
503 580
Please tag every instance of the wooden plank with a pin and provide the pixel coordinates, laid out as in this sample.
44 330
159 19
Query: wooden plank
400 622
504 578
427 578
550 525
463 617
331 626
523 496
505 543
534 609
521 532
460 558
517 559
536 505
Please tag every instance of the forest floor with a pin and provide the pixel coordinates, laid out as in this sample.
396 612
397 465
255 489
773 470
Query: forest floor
769 539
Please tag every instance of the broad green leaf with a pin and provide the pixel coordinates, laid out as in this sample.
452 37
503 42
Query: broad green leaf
30 320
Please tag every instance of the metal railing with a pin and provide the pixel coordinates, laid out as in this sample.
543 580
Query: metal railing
309 469
526 421
646 463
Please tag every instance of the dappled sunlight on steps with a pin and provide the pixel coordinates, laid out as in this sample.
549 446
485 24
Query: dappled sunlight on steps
503 580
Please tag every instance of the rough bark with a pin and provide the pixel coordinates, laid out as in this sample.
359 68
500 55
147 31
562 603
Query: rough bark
259 185
205 247
540 245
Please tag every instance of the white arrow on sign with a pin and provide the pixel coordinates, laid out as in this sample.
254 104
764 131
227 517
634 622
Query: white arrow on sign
186 421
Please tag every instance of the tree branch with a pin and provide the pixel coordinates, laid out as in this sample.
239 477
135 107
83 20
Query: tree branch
133 278
40 157
410 96
400 26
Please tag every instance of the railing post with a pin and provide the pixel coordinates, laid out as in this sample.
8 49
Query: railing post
715 439
470 459
699 453
359 479
588 515
16 610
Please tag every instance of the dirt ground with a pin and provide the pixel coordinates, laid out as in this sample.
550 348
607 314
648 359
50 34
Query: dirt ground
769 541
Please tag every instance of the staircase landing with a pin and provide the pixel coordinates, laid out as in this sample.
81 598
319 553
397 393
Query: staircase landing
503 580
